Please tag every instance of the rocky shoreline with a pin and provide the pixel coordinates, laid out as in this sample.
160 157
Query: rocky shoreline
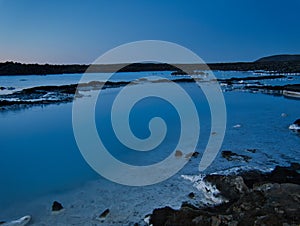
250 198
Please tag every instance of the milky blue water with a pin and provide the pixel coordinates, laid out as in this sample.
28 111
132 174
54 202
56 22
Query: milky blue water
39 155
27 81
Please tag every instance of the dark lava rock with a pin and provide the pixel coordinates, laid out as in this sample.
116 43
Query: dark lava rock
2 88
251 150
231 156
280 174
230 187
274 205
195 154
191 195
56 206
104 213
179 73
297 122
267 203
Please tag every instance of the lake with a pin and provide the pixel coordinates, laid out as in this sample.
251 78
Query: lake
39 155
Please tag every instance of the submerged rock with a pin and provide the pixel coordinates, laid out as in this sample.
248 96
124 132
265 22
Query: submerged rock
178 153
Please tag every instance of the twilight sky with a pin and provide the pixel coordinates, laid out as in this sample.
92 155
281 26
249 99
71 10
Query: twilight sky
79 31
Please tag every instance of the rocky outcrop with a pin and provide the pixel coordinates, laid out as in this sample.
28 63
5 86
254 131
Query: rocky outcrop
254 198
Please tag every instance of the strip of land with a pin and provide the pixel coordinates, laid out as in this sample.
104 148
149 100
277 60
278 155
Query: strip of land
278 64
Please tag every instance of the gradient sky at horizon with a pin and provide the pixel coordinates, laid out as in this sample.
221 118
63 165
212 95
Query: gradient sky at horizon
77 31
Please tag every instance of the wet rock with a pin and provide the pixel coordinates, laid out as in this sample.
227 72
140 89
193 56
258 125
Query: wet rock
266 203
295 126
195 154
2 88
147 219
231 156
251 150
230 187
274 206
180 72
280 174
19 222
56 206
191 195
160 216
297 122
103 215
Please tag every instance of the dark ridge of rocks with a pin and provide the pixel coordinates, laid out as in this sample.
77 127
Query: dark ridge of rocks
273 200
279 175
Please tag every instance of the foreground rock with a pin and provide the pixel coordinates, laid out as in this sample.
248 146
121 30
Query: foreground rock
253 198
19 222
56 206
295 126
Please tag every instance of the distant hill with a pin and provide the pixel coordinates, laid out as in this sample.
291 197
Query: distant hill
283 57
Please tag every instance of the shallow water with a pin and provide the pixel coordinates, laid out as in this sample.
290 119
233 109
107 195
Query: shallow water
39 155
27 81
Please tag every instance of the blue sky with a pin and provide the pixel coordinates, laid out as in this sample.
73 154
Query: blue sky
79 31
